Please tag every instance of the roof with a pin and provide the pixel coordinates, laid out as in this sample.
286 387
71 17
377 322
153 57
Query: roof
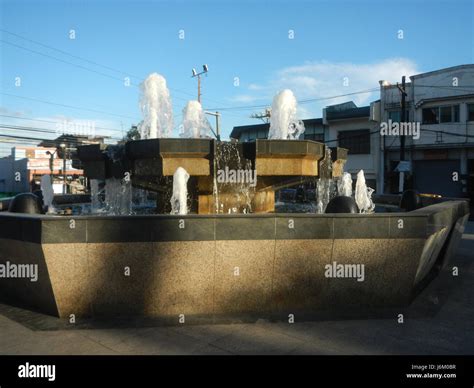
363 111
237 131
429 73
443 98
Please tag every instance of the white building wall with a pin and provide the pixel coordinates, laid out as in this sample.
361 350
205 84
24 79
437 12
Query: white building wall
356 162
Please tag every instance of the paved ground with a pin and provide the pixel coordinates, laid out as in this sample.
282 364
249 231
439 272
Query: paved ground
438 322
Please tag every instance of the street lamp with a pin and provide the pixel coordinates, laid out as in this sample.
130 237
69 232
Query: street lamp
63 147
205 69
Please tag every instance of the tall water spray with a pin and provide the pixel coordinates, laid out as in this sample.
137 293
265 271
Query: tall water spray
283 121
155 104
325 185
179 199
344 185
118 196
48 193
195 124
96 202
363 194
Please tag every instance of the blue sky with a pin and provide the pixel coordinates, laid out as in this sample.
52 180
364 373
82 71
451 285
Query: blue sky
244 39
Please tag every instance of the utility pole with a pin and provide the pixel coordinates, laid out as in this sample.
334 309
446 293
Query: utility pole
63 147
403 119
401 181
264 116
205 69
217 115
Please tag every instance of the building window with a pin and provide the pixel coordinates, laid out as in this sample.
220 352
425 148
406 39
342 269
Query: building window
456 113
314 136
357 142
470 112
430 116
396 116
445 113
442 114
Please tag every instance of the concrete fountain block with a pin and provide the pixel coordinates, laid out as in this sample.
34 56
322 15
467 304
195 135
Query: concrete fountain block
37 295
339 159
224 265
298 275
164 156
288 157
243 276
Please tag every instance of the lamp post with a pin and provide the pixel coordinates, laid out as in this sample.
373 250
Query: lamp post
63 147
205 69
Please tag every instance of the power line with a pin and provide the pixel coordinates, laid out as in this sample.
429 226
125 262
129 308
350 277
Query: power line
244 107
50 131
69 106
56 122
82 59
71 55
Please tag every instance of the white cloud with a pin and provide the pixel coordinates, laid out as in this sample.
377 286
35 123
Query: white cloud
245 98
255 87
321 79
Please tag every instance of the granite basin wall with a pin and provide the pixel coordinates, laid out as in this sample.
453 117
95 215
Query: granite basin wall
223 265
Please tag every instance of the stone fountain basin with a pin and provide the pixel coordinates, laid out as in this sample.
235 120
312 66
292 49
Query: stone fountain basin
224 265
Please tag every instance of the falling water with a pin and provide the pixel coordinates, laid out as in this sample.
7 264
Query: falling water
233 195
155 104
325 185
283 121
118 196
344 185
363 194
195 124
48 193
96 203
179 199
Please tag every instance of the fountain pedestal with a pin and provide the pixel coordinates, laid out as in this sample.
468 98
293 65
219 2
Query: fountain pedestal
275 164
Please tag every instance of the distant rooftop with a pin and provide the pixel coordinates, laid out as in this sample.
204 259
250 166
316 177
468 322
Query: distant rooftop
346 110
237 131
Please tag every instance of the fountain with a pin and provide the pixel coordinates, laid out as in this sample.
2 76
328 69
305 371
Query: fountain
195 124
215 247
283 122
180 192
156 108
363 194
48 193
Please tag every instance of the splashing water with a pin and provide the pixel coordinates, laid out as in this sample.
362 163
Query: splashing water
363 194
155 104
179 198
48 193
325 185
344 185
195 124
96 203
283 121
118 196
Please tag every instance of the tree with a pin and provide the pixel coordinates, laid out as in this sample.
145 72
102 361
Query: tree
132 134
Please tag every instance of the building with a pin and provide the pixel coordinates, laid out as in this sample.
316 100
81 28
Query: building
356 129
23 169
314 130
441 154
343 125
